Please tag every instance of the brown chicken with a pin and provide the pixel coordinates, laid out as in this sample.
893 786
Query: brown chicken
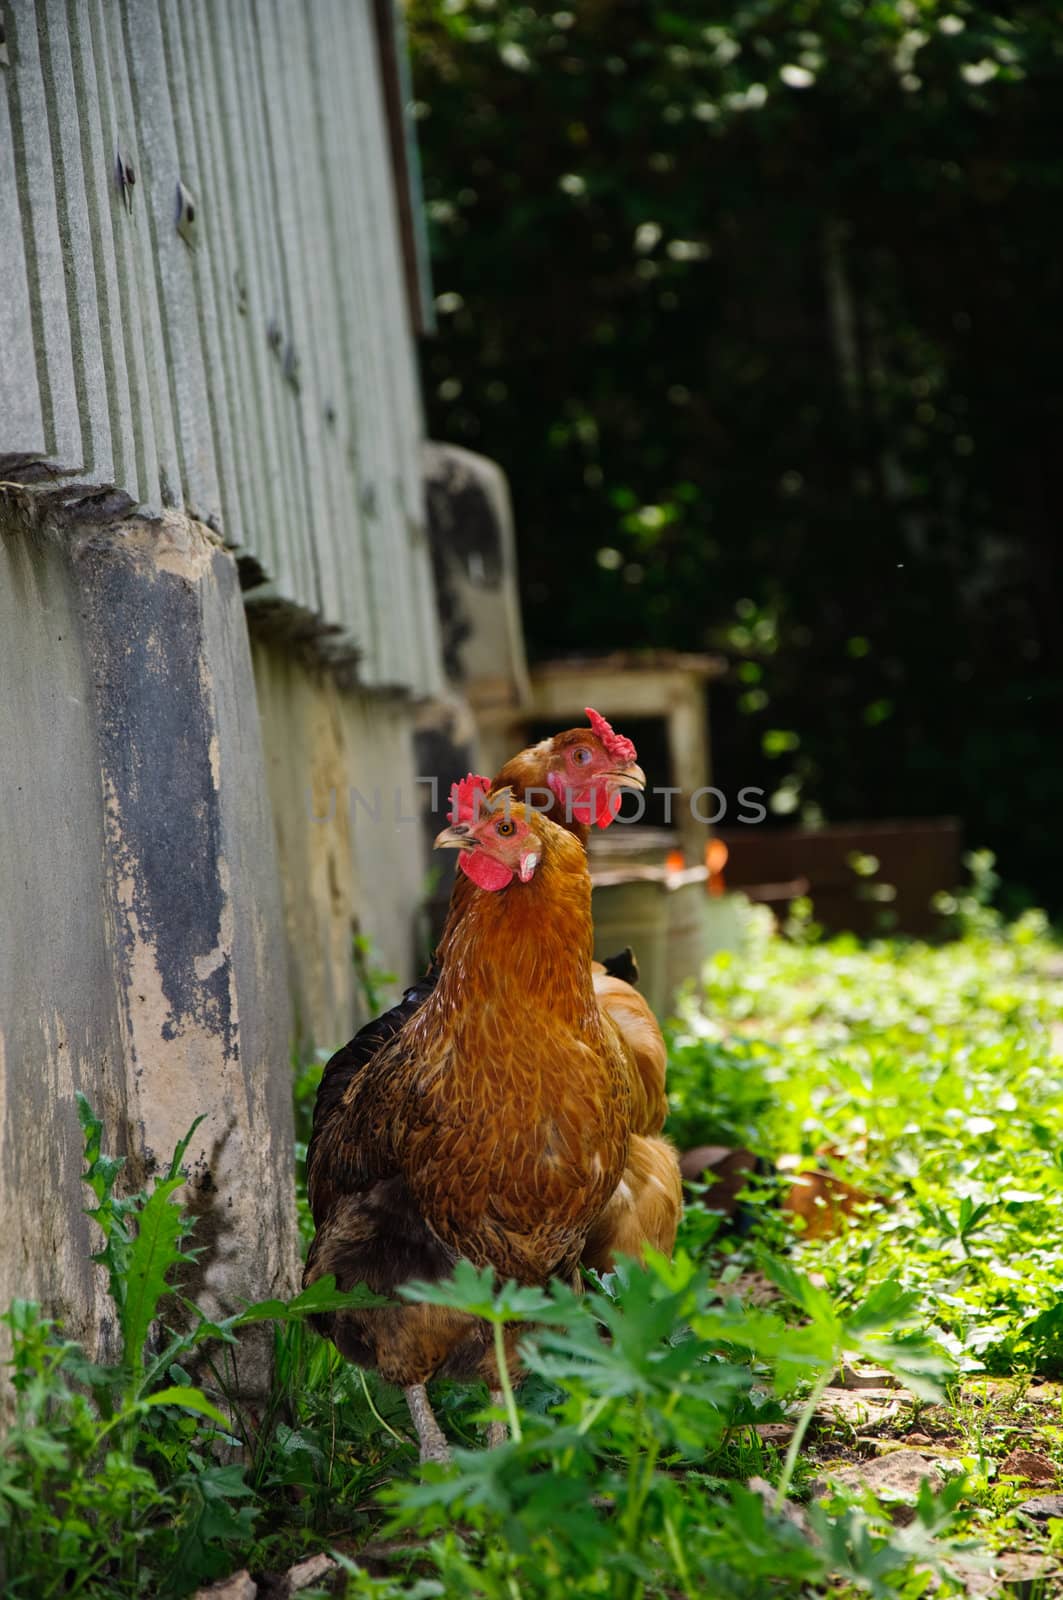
495 1125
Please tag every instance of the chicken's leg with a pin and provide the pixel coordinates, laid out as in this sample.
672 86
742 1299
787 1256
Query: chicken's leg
497 1432
434 1446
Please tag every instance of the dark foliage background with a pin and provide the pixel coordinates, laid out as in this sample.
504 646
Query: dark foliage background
759 307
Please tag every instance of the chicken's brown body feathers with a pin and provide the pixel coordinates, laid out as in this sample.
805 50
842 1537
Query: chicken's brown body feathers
644 1208
639 1028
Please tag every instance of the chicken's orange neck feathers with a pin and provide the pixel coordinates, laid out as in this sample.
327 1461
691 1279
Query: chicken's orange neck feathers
530 943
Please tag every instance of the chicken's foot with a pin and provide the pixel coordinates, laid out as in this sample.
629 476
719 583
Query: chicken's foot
497 1432
434 1446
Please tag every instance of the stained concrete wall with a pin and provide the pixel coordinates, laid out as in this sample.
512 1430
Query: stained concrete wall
340 767
141 956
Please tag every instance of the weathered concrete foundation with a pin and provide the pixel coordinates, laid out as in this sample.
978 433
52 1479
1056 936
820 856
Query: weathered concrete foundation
141 945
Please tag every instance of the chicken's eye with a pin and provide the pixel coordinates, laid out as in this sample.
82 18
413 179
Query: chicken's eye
505 829
581 755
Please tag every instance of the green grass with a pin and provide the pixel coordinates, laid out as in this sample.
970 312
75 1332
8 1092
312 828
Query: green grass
931 1075
927 1076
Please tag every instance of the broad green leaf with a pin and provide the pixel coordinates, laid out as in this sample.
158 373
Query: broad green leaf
473 1289
155 1250
322 1295
189 1398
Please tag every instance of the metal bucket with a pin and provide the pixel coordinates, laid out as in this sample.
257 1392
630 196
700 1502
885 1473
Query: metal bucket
668 920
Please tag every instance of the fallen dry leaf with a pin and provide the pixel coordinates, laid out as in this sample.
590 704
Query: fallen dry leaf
823 1202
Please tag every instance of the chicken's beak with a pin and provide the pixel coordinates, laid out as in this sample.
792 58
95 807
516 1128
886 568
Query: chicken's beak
456 837
629 777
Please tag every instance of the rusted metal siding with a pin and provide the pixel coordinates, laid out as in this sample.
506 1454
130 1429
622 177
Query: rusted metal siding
251 362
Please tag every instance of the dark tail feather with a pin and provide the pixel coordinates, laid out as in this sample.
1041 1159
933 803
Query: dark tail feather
352 1057
623 965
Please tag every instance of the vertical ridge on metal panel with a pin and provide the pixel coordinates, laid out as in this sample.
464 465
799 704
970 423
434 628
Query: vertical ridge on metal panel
322 373
375 411
273 480
119 310
23 432
345 185
289 160
224 347
137 246
97 390
49 309
148 70
202 329
293 572
404 463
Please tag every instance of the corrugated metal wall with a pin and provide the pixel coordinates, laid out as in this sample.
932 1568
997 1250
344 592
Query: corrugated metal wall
226 329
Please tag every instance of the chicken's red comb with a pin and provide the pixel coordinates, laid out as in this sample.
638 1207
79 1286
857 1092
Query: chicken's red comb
465 803
619 748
